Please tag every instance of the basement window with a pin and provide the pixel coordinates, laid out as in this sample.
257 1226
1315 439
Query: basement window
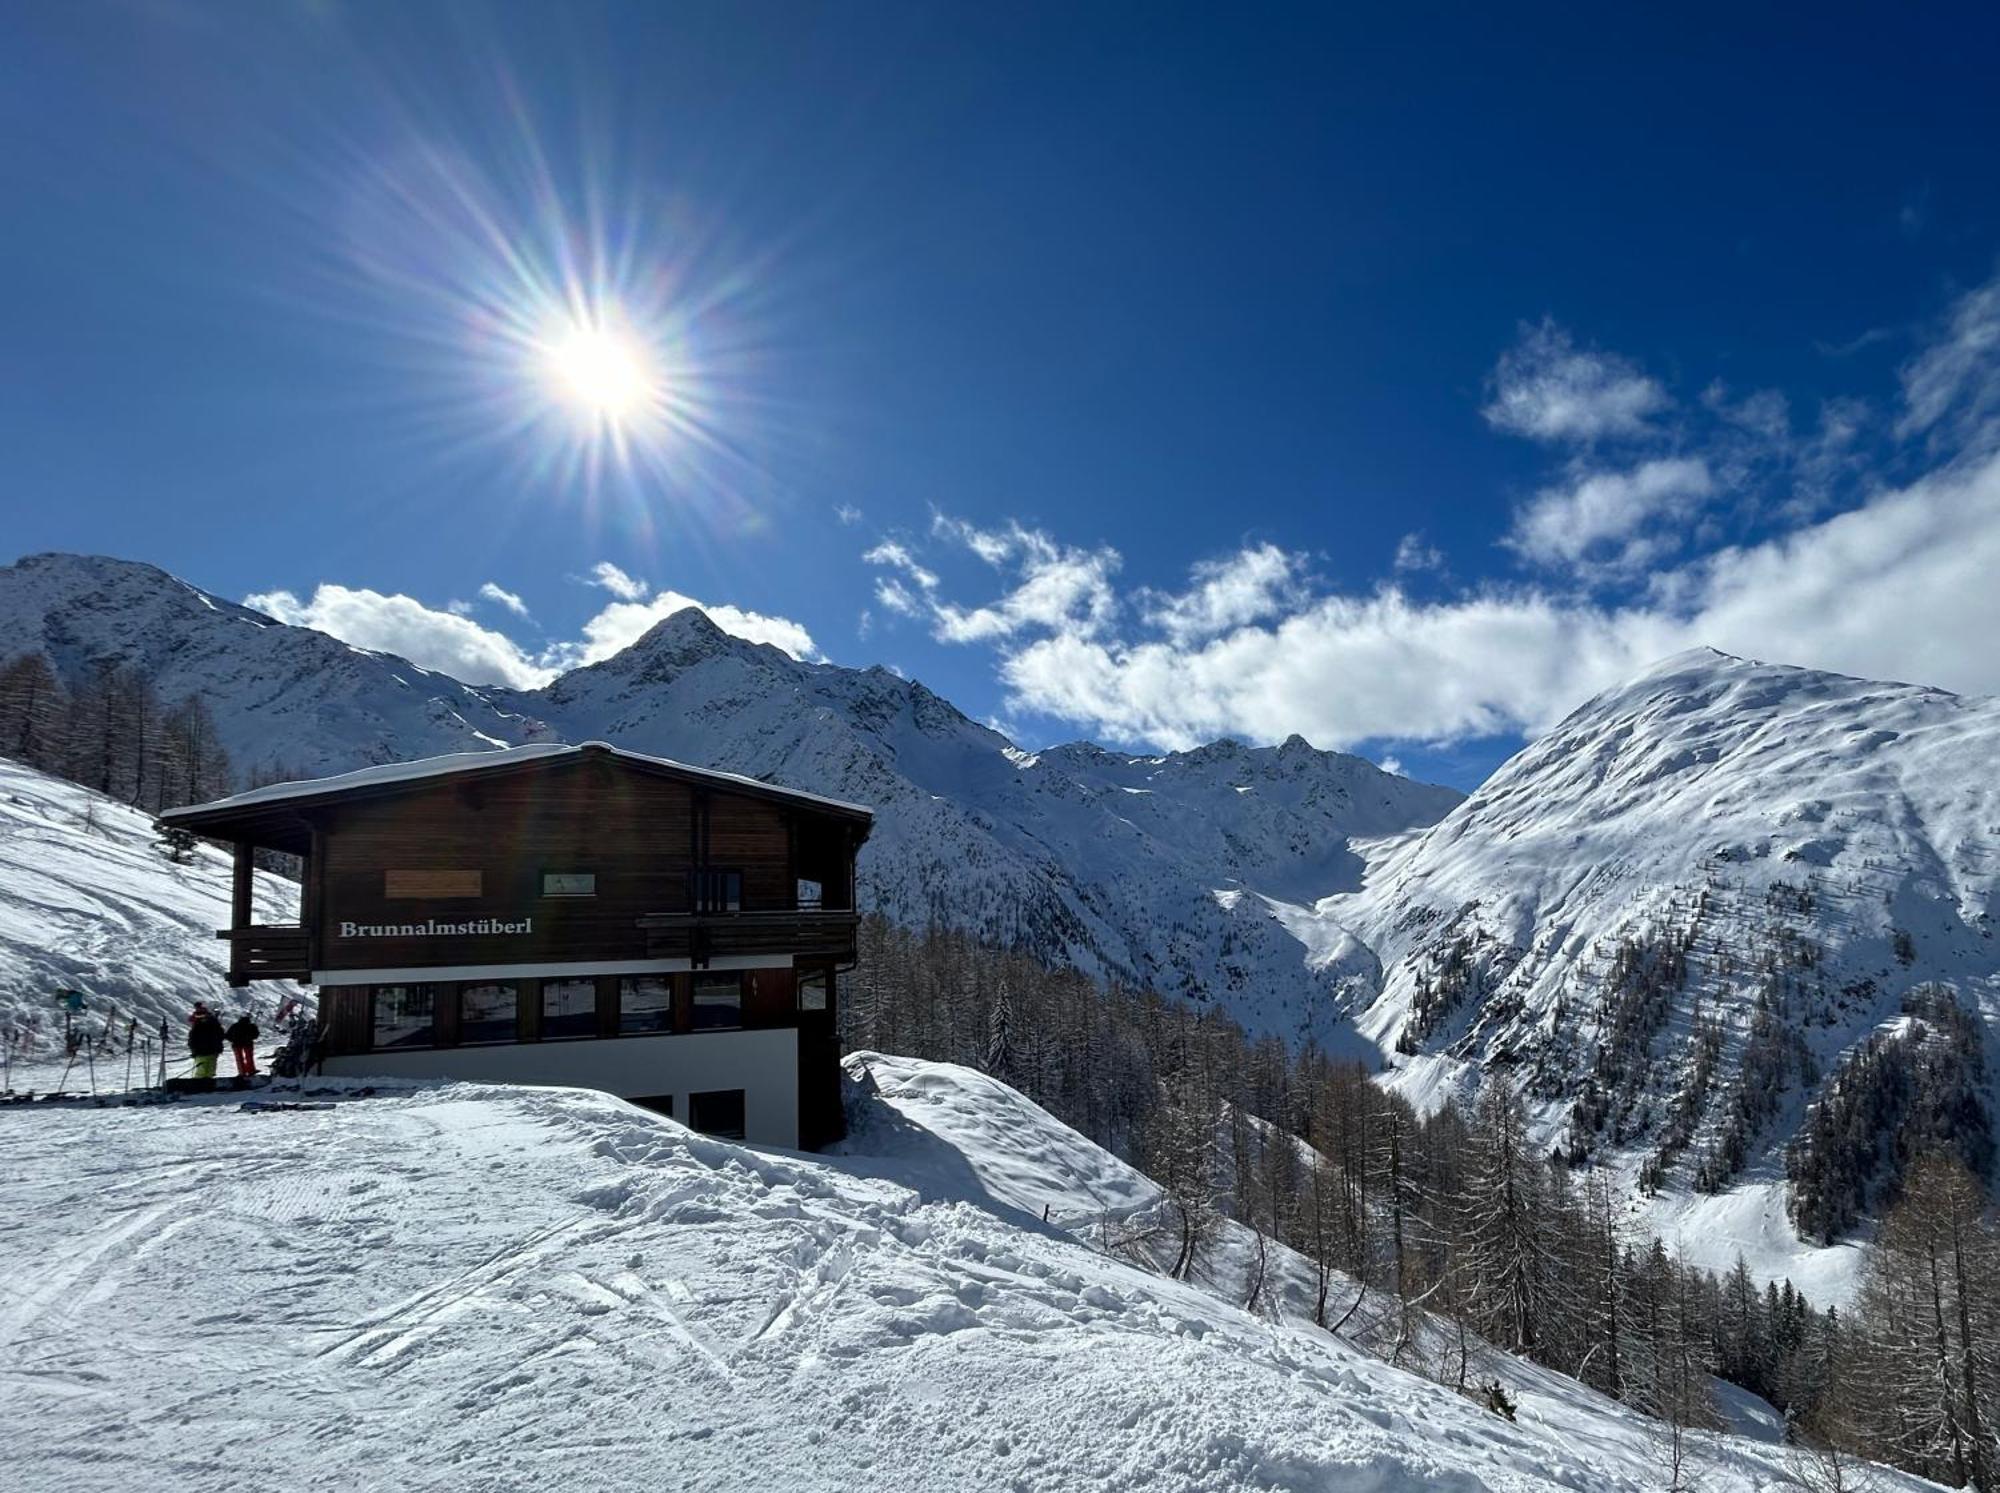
718 1113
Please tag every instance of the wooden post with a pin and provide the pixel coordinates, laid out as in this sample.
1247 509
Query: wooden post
240 888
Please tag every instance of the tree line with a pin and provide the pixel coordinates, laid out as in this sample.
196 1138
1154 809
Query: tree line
1457 1229
113 733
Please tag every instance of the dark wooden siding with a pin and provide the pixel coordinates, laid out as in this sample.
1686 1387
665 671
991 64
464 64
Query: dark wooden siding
752 836
634 831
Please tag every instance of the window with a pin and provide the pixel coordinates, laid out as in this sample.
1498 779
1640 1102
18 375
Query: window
405 1016
488 1013
645 1003
659 1104
718 891
569 883
719 1113
812 989
718 1001
569 1009
809 895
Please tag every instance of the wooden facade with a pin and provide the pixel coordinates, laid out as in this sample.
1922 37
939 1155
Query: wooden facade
500 884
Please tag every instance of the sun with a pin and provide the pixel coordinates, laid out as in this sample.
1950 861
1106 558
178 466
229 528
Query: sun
600 369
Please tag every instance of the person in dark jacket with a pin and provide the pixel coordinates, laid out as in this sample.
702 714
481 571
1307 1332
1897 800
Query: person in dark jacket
243 1034
205 1039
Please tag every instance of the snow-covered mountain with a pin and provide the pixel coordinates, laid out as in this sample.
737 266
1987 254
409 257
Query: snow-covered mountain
89 902
286 699
1679 915
1151 869
474 1287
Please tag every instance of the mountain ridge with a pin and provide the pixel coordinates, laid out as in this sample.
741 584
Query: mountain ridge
1126 866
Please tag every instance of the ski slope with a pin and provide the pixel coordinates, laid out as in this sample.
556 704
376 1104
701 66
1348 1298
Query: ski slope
472 1287
88 902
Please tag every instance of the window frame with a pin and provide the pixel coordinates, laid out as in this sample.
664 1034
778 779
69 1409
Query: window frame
668 1028
698 885
805 975
695 979
374 1017
589 1012
465 988
567 896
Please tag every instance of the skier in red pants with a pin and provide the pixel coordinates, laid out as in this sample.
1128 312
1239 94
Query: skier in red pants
243 1034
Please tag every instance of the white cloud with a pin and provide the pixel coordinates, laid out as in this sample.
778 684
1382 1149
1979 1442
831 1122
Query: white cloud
1057 586
891 553
451 643
1414 554
994 546
1392 764
617 582
1549 389
1248 586
494 593
847 513
1602 516
1954 384
1071 590
426 636
1899 588
623 623
896 597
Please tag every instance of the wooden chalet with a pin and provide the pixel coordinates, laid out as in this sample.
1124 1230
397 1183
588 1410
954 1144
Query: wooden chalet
577 915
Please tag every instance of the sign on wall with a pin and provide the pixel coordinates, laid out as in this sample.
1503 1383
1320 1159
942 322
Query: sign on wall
432 883
433 928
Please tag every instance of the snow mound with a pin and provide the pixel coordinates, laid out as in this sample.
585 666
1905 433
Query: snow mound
476 1287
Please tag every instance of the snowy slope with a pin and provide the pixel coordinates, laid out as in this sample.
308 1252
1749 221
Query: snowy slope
1155 869
1719 855
88 903
470 1288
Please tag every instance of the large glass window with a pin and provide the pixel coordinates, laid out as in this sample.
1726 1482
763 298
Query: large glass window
405 1016
719 1112
489 1013
812 990
718 1001
569 1009
646 1003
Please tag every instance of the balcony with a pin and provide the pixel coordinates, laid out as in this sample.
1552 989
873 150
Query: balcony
272 952
698 937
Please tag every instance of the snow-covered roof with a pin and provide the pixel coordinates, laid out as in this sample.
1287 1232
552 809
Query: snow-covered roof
389 774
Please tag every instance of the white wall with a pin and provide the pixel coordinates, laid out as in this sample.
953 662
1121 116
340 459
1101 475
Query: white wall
764 1064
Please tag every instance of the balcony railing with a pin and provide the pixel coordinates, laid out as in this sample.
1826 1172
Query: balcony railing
699 937
271 952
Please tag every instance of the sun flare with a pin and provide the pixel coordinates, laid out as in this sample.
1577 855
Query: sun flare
600 370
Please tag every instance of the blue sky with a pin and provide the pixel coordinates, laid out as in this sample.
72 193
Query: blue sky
1147 373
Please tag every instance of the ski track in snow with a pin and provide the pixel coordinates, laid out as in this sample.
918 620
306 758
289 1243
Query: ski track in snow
466 1287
